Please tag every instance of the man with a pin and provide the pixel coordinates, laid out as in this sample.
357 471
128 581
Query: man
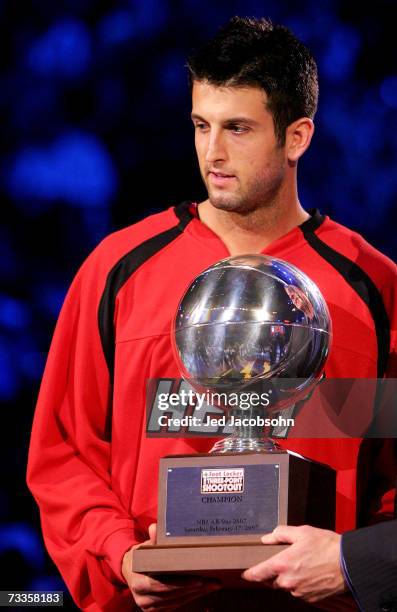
91 467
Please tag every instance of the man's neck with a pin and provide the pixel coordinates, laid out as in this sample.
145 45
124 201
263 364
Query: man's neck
253 232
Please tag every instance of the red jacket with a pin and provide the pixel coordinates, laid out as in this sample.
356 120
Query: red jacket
91 468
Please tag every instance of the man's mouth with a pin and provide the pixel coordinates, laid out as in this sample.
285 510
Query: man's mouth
220 179
221 174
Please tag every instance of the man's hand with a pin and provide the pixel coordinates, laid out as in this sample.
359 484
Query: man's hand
169 593
309 568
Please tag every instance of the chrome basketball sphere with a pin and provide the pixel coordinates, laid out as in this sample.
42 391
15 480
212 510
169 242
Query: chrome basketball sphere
251 318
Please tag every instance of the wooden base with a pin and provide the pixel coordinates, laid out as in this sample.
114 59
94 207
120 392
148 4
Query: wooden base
223 562
211 531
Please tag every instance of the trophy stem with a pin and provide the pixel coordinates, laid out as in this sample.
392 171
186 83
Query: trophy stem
233 445
249 435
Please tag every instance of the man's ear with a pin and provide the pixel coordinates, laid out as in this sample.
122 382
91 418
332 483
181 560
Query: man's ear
298 137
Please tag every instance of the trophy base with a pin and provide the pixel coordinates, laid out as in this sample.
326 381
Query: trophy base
225 563
213 510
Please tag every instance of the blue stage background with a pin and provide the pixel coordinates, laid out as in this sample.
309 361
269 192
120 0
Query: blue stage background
96 134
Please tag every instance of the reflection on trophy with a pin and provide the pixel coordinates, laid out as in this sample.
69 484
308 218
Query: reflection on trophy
246 324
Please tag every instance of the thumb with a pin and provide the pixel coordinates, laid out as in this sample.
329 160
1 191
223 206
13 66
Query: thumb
153 532
282 534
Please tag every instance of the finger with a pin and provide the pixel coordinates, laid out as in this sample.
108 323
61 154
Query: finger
145 543
171 600
183 581
153 533
270 538
262 572
282 534
144 584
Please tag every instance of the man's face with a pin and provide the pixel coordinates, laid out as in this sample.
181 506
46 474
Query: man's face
240 161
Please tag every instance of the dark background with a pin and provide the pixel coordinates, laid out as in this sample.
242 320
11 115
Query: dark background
95 127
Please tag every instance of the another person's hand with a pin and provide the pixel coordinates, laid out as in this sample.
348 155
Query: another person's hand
309 568
169 593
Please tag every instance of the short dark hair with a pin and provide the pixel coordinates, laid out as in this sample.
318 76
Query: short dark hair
256 53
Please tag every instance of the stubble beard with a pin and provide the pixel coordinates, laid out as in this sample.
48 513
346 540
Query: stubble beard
262 194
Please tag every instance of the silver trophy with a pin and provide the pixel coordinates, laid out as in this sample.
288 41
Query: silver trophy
250 323
245 323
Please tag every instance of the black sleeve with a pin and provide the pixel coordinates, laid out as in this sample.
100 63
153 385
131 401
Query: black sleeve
370 556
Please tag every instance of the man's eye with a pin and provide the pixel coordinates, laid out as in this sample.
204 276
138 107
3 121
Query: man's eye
237 129
200 126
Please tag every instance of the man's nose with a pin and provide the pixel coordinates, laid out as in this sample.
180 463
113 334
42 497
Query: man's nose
216 149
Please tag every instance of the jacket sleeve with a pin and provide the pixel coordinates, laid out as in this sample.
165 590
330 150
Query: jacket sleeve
370 556
86 528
